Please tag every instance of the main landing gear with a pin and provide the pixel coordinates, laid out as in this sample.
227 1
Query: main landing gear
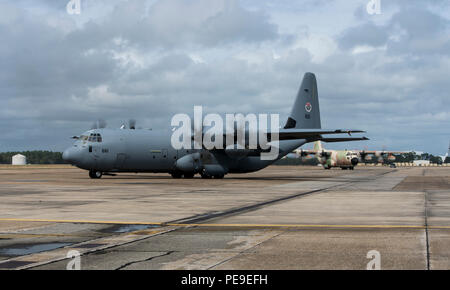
191 175
180 175
95 174
206 176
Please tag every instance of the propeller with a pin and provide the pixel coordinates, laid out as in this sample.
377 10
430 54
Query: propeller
303 153
197 134
132 124
99 124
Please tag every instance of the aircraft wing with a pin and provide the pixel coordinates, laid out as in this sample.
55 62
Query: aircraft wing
385 152
302 152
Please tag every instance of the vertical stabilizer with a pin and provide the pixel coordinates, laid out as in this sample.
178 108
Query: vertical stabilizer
305 114
318 146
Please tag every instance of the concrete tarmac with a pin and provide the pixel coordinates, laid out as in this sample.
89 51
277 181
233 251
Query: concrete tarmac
283 217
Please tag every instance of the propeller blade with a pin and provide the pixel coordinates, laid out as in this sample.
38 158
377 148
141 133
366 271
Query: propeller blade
132 124
99 124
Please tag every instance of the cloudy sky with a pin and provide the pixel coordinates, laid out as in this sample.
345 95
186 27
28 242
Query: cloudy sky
388 73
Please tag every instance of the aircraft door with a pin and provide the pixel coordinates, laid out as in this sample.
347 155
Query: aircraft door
94 154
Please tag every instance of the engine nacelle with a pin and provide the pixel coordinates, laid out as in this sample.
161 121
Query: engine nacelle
214 170
189 163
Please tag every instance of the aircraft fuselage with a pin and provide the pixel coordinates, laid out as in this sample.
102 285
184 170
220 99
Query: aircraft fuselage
125 150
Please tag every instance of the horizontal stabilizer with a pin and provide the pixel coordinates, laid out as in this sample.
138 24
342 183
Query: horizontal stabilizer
330 140
311 134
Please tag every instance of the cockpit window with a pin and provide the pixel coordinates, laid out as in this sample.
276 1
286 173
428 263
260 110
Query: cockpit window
95 137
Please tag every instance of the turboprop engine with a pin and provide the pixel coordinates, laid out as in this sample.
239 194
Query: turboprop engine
192 163
189 163
214 170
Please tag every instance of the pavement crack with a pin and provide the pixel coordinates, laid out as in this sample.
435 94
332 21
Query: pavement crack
145 260
208 216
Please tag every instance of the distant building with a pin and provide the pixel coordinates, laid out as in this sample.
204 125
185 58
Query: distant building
19 159
421 162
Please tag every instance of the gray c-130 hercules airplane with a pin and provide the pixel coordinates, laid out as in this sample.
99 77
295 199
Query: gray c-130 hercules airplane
105 151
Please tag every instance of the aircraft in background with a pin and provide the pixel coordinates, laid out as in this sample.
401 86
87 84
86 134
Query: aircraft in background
382 157
106 151
345 159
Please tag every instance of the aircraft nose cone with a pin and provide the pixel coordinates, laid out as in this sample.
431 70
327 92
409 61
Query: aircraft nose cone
68 155
354 161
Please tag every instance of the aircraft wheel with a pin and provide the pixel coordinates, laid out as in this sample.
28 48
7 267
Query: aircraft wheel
176 175
219 176
95 174
205 176
188 175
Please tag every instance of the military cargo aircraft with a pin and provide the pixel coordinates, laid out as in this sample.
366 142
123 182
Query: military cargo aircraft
345 159
104 151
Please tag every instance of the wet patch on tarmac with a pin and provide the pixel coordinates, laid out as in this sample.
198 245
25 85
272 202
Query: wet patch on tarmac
14 264
120 229
26 249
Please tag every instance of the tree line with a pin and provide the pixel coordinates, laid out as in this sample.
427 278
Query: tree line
411 156
50 157
34 157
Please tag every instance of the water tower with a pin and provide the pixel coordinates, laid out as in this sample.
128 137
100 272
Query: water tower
19 159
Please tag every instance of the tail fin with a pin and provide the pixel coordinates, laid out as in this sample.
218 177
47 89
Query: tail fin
318 146
305 114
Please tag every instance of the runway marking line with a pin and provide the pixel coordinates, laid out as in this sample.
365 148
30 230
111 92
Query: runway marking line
229 225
